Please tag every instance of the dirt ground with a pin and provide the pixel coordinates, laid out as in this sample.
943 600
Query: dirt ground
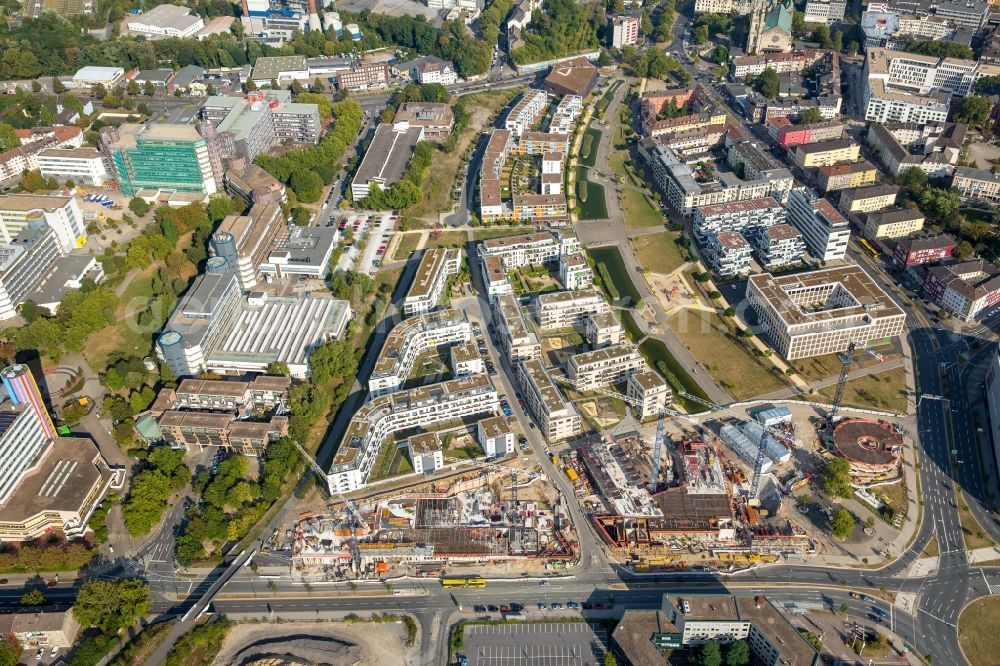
671 290
362 643
607 418
983 154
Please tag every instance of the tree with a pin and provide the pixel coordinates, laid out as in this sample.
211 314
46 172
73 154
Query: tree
700 34
973 110
988 85
139 206
32 181
842 525
603 60
148 89
837 478
308 186
132 87
767 83
838 41
645 25
913 179
941 49
720 55
810 115
58 87
738 654
8 138
844 608
111 605
964 250
33 598
278 368
610 659
710 654
852 48
10 651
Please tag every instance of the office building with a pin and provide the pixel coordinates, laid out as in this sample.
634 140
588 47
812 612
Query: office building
84 166
576 76
408 340
163 21
826 153
777 246
821 312
24 263
962 13
426 452
252 185
728 254
574 272
247 127
604 330
436 267
22 390
624 31
825 231
245 241
436 119
386 159
62 214
843 176
977 184
424 406
364 77
966 288
517 341
884 105
868 199
927 249
825 11
263 393
556 416
932 147
893 30
565 309
300 251
495 436
894 223
160 157
737 216
650 391
24 441
603 367
214 327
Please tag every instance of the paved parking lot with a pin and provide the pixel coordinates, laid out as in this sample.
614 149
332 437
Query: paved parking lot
536 644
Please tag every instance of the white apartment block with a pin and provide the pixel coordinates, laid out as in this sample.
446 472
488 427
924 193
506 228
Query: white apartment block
777 246
564 117
604 330
883 106
556 416
61 213
574 272
728 253
979 184
530 249
825 11
426 452
624 31
526 112
826 232
896 223
821 312
566 309
604 367
736 216
650 391
465 360
408 340
84 166
495 277
722 6
436 266
495 437
425 406
517 341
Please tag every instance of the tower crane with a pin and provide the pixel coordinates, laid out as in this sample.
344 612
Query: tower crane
847 358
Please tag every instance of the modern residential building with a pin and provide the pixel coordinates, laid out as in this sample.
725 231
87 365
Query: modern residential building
24 263
410 338
728 254
977 184
933 147
160 157
825 231
435 118
965 288
263 393
825 11
737 216
843 176
821 312
603 367
650 391
868 199
214 327
556 416
788 135
517 341
189 429
574 272
928 249
424 406
526 112
539 206
894 223
530 249
495 436
826 153
300 251
565 309
364 77
387 157
494 276
624 30
777 246
84 166
62 214
243 242
466 360
604 330
163 21
436 267
426 452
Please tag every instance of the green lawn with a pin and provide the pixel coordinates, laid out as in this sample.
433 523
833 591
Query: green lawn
659 253
638 211
588 146
590 197
977 631
875 391
659 357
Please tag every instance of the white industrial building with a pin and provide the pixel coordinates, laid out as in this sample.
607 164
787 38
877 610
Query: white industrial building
163 21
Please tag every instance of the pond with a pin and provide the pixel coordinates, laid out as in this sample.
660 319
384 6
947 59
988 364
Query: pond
611 257
659 357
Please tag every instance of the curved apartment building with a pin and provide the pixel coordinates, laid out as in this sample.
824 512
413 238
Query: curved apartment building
406 342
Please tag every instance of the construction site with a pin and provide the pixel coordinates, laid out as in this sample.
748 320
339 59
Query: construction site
488 516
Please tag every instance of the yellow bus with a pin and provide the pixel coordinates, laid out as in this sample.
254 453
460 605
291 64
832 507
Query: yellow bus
868 248
463 582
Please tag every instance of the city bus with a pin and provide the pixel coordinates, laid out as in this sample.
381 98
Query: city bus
869 249
463 582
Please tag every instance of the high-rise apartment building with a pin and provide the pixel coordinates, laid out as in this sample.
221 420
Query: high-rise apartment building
826 232
23 390
160 157
62 214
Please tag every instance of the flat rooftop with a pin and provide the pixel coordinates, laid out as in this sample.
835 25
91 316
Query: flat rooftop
554 400
495 426
391 355
569 297
605 354
648 380
388 154
430 270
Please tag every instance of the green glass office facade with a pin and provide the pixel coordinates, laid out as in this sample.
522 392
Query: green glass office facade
162 164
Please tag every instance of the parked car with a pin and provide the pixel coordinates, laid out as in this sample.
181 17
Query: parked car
504 608
573 605
493 609
557 606
479 608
